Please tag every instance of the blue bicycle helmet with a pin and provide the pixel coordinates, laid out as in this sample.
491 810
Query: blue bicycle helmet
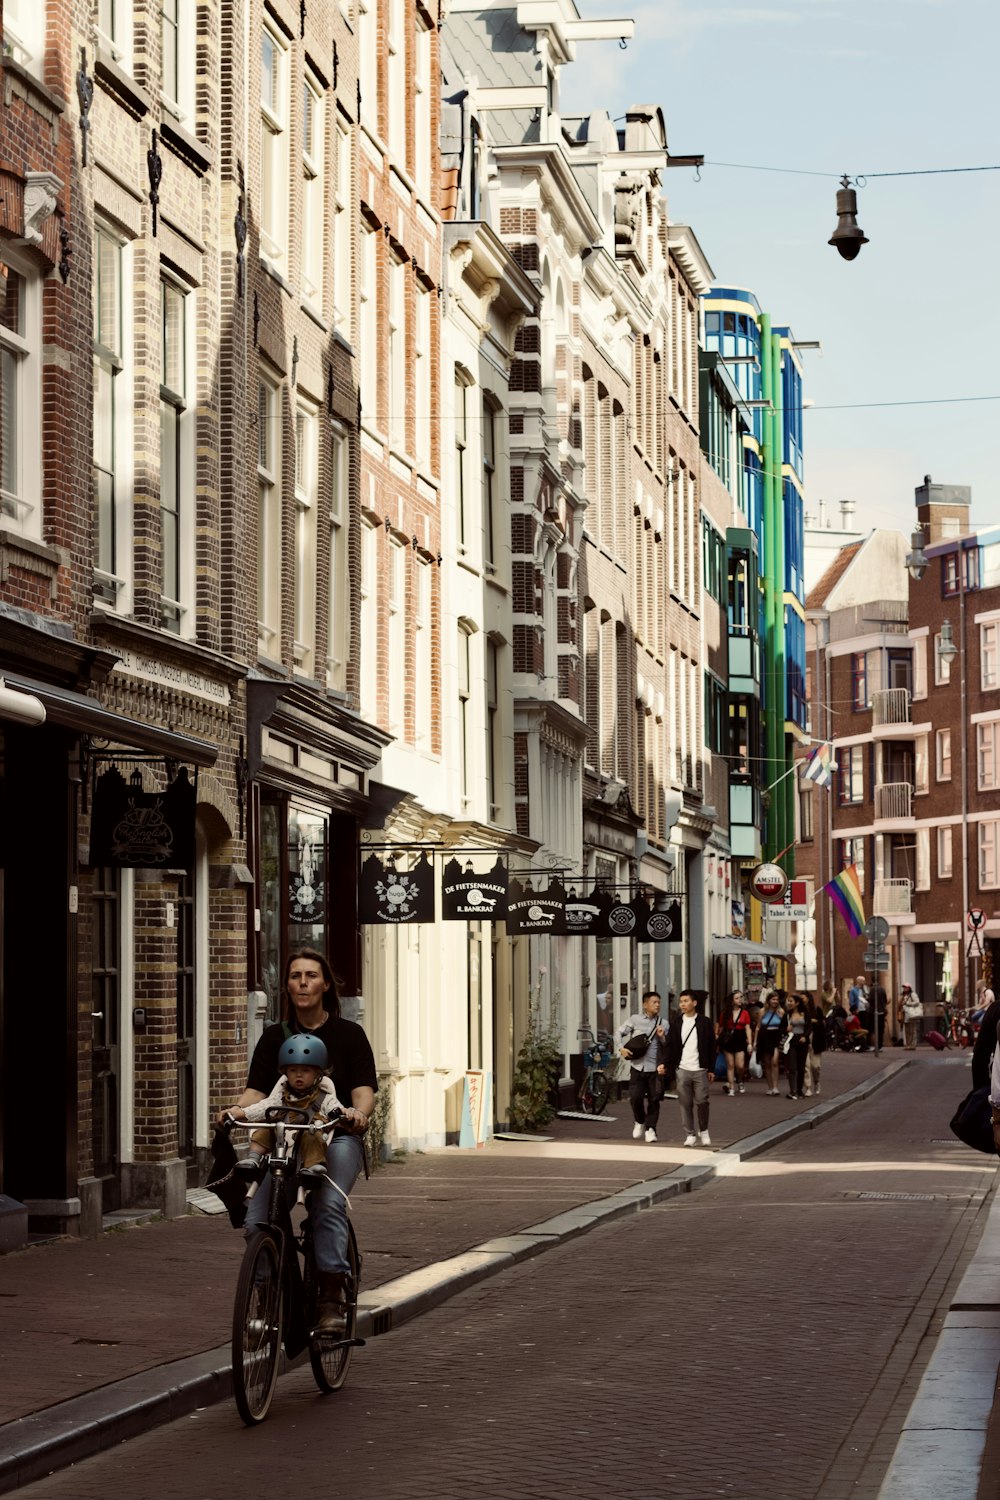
303 1050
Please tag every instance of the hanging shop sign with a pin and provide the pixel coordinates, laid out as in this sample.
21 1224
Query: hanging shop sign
657 924
531 909
467 896
586 912
389 895
132 828
768 882
794 905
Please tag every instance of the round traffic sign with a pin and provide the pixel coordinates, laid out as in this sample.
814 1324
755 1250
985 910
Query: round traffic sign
876 929
975 918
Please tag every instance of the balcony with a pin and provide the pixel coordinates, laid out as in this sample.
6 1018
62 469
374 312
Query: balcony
892 716
744 663
893 899
894 802
882 617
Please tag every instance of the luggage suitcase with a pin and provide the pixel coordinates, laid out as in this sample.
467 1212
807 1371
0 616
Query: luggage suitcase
936 1040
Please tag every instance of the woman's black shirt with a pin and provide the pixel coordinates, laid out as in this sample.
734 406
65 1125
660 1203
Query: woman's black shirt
352 1063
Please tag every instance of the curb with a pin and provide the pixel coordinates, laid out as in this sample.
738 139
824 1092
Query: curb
34 1446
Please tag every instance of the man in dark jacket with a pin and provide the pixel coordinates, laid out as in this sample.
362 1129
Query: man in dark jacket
689 1052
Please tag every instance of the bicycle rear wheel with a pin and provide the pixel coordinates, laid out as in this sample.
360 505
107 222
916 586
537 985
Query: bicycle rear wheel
598 1092
329 1355
257 1319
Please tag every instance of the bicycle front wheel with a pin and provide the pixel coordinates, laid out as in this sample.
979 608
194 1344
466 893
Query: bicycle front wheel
257 1318
329 1355
598 1092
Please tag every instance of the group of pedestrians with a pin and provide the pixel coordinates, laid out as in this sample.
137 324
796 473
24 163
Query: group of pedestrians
681 1051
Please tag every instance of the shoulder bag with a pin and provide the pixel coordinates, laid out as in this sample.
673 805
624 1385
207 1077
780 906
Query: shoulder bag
638 1046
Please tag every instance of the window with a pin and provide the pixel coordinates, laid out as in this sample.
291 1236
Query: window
306 499
110 415
806 815
114 25
461 441
852 852
313 142
340 582
343 279
859 680
988 655
422 660
464 712
942 755
398 675
273 146
176 460
422 143
396 80
179 66
269 449
923 860
422 383
24 34
368 637
989 839
369 325
986 756
493 762
170 46
368 61
713 560
850 763
490 416
942 664
20 400
920 667
920 778
398 372
944 865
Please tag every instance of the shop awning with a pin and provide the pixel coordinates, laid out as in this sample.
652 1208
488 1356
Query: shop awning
727 947
86 715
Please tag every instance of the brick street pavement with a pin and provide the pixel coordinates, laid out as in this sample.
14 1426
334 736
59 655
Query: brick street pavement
77 1315
775 1327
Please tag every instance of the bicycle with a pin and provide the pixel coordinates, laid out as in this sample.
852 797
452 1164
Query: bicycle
593 1092
276 1301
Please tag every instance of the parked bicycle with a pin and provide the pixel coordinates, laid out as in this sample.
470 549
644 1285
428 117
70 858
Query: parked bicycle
276 1299
593 1092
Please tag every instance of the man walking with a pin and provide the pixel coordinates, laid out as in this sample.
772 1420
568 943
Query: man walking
690 1052
644 1031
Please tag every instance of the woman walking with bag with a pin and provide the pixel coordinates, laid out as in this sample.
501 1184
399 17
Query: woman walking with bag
796 1046
768 1037
817 1046
735 1035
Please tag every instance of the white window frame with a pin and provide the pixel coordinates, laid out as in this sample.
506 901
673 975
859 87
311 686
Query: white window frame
423 146
989 847
368 622
368 324
274 153
21 506
306 507
368 60
988 756
397 670
113 586
465 711
942 665
338 610
920 667
423 656
179 100
422 382
396 91
921 782
114 26
494 747
343 249
942 755
313 185
945 867
988 655
398 352
491 428
269 559
178 614
460 459
922 860
24 34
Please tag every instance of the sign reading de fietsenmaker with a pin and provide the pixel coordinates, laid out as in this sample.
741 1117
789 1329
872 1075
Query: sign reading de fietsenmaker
467 896
534 910
142 830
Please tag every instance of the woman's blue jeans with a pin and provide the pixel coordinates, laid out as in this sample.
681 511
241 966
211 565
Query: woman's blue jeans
327 1209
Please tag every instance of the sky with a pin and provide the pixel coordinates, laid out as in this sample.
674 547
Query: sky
835 86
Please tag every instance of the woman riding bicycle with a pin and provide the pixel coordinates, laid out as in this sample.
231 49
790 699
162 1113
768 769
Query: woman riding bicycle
312 1004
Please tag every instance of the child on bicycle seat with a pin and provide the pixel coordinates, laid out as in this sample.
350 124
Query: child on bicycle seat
304 1085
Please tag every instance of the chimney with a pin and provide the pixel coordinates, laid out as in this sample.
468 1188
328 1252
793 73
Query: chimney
847 514
942 509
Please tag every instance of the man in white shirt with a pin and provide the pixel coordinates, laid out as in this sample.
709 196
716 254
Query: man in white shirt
690 1052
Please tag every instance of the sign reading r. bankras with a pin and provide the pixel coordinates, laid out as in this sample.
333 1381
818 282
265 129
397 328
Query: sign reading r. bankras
470 897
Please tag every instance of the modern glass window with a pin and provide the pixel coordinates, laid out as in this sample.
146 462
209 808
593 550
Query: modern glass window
458 460
176 487
343 256
274 213
340 580
20 400
987 746
269 451
313 177
306 504
989 846
109 414
988 654
942 755
944 854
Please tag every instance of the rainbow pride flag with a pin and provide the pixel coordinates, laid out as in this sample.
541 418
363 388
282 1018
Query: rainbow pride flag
845 893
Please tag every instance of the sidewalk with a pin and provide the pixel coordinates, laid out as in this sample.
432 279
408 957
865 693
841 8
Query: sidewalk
140 1319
